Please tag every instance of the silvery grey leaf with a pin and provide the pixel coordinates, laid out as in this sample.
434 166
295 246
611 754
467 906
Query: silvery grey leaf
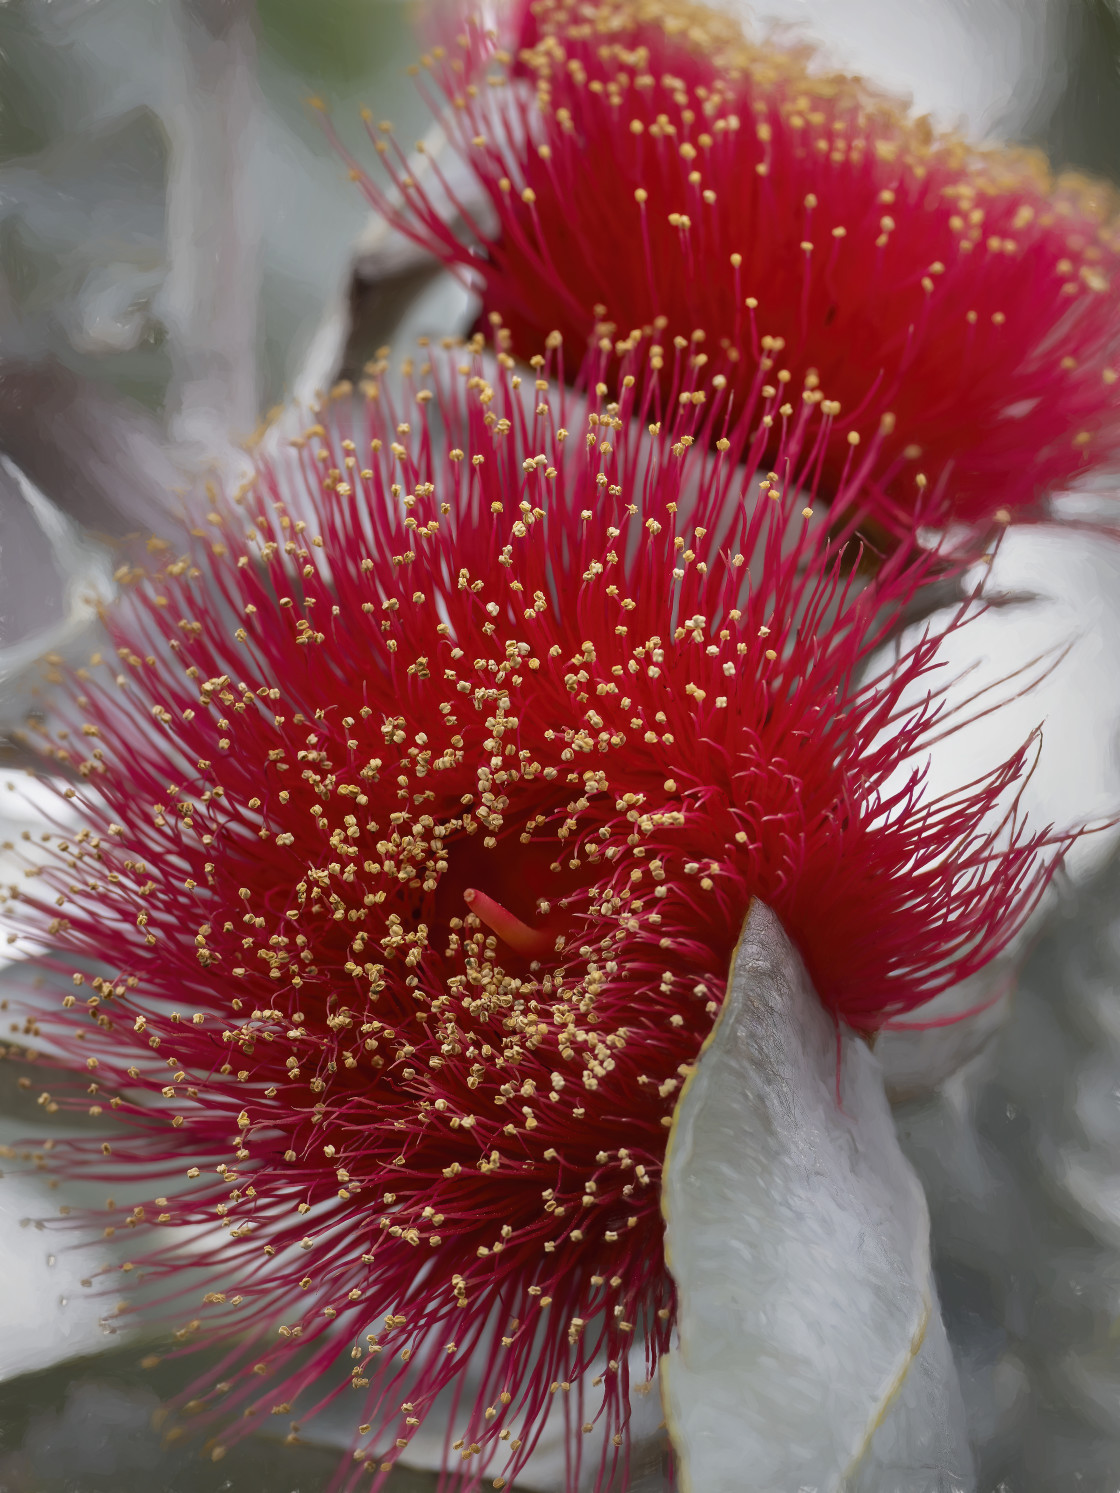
810 1351
983 64
1043 662
74 574
919 1052
97 455
44 1314
81 216
210 297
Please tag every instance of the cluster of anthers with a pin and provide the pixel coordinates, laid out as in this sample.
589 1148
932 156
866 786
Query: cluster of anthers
421 803
642 164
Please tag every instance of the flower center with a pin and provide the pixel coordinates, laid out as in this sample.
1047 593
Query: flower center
531 943
519 886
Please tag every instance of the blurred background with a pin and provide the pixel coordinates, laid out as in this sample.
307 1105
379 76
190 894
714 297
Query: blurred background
180 252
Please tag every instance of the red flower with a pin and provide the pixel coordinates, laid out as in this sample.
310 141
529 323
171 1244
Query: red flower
420 825
645 165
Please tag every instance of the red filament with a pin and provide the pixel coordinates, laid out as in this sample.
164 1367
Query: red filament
437 644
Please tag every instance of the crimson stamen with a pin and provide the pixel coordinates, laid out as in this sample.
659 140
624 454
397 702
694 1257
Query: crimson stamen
436 643
956 299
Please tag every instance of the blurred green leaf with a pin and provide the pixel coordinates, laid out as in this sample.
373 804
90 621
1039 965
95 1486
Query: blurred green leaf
339 42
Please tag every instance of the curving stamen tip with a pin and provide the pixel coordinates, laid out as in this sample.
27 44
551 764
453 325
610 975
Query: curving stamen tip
531 943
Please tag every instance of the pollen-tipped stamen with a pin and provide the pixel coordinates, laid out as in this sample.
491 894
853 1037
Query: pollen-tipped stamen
652 675
955 296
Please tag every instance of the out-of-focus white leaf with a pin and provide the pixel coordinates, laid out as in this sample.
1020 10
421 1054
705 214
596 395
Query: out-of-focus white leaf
1019 1155
45 1315
209 299
811 1352
982 64
32 586
919 1053
87 212
28 806
93 453
77 575
1046 660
